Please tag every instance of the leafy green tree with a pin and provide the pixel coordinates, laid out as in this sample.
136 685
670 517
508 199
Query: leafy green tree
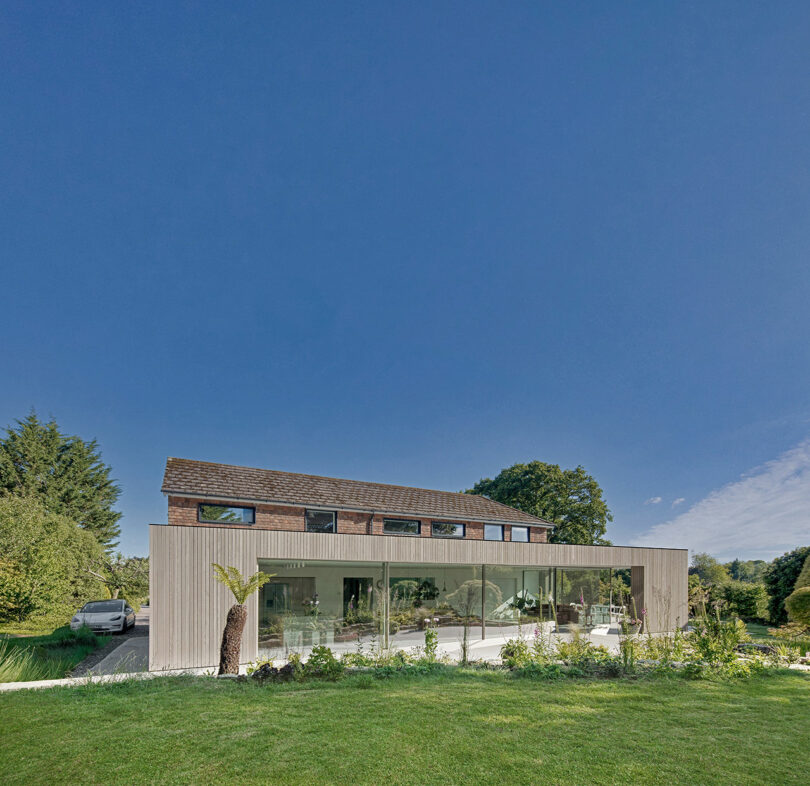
750 570
65 473
242 588
780 579
43 561
708 569
569 498
126 577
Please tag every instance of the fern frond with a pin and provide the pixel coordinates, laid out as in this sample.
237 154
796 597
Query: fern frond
241 588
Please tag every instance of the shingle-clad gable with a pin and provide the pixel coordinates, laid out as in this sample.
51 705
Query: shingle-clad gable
229 482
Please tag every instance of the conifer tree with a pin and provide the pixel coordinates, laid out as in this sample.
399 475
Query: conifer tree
66 473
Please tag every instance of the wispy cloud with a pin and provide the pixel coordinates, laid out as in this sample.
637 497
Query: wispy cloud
652 501
760 516
676 502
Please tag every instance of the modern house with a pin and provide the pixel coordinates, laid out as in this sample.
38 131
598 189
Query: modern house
355 562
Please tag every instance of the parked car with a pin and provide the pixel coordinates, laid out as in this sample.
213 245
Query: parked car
112 616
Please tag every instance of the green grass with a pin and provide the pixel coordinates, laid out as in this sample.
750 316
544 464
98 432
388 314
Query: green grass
457 727
45 657
759 633
34 627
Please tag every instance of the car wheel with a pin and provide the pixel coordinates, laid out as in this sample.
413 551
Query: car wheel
123 626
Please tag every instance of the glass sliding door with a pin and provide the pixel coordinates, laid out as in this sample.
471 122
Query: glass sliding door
583 597
339 604
444 597
516 596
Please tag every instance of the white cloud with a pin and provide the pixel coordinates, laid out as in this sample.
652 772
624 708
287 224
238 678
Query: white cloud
676 502
652 501
760 516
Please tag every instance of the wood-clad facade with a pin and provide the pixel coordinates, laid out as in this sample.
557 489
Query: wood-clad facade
189 607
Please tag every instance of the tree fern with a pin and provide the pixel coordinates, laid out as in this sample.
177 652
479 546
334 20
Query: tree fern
241 587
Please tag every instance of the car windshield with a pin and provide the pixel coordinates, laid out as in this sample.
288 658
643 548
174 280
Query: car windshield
102 606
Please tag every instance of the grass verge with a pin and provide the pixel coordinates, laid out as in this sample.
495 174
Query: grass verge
454 727
45 657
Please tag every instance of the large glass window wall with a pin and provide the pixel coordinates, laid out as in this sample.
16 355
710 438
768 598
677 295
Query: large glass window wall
351 605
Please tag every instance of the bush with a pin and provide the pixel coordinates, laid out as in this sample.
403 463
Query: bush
714 641
322 664
580 652
798 605
780 580
43 562
747 601
515 654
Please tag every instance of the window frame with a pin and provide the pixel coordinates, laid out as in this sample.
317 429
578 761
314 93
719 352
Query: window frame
334 513
494 540
461 524
201 520
519 527
416 534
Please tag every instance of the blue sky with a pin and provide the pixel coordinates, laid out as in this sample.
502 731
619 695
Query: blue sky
419 244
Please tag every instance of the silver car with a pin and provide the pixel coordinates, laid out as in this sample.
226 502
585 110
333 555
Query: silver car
104 616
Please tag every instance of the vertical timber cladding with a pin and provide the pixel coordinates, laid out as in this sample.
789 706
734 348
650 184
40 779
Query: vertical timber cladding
189 607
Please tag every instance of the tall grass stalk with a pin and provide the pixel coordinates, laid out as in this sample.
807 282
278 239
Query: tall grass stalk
20 664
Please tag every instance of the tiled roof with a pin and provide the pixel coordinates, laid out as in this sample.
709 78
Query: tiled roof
228 482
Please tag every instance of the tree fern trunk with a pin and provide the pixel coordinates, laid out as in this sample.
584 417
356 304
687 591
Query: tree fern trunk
232 639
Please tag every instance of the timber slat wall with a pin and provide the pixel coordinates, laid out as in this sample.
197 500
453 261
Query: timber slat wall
188 607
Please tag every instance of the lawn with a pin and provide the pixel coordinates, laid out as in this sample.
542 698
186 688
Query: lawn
48 656
460 727
759 633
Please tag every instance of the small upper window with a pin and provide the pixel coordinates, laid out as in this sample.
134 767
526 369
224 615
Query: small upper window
447 529
493 532
223 514
321 521
520 534
402 527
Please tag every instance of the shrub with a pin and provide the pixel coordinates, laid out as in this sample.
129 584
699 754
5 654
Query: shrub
515 654
580 652
780 580
714 641
798 605
322 664
744 600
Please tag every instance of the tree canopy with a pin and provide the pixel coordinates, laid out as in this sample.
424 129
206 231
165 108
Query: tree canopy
751 570
569 498
65 473
44 559
126 577
780 579
708 569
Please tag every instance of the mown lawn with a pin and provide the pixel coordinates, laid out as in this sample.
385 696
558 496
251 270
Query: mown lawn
457 728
